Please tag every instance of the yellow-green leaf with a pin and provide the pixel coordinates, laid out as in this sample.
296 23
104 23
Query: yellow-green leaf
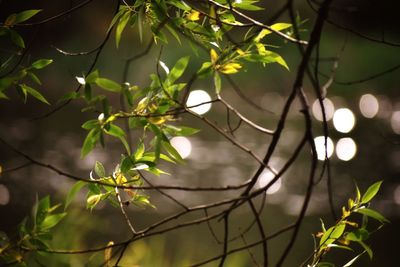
371 192
108 85
41 63
214 56
34 93
25 15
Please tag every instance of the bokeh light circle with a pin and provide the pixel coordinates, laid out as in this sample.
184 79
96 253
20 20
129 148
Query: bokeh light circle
344 120
182 145
369 106
346 149
320 147
328 106
265 178
198 97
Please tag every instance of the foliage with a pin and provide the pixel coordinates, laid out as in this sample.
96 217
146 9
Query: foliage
346 230
153 112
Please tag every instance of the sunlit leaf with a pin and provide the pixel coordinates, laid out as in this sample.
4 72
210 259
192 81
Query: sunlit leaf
276 26
115 131
139 151
52 220
177 70
34 93
108 85
25 15
41 63
172 151
332 234
99 169
357 235
371 192
120 27
213 56
205 69
181 130
373 214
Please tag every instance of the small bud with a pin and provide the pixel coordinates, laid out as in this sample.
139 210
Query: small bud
101 117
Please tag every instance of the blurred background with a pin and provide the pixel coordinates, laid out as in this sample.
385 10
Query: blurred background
364 130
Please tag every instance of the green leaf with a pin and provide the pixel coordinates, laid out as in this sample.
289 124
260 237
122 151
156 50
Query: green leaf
126 164
72 192
17 39
151 157
121 26
25 15
34 93
135 122
90 142
357 235
139 151
126 144
276 26
90 124
87 92
94 189
99 169
34 78
368 249
40 210
108 85
41 63
92 77
205 69
172 151
371 192
373 214
121 11
180 131
332 234
115 131
217 83
52 220
174 33
245 5
177 70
